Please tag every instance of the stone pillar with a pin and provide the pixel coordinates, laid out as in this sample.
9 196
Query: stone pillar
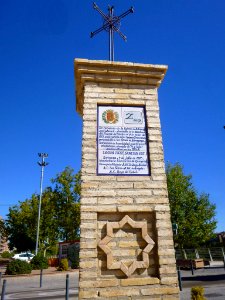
126 245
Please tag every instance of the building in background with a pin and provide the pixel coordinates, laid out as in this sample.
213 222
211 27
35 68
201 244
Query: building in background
63 248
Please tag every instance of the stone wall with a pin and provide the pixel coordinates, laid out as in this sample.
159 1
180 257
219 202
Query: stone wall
127 249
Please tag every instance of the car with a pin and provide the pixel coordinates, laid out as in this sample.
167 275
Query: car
25 256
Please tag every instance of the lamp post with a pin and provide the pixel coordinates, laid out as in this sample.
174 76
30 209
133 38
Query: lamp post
42 164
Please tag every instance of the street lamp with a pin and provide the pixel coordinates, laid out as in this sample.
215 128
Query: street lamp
42 164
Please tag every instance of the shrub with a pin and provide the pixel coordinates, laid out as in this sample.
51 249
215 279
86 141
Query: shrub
6 254
39 262
197 293
52 250
63 265
18 267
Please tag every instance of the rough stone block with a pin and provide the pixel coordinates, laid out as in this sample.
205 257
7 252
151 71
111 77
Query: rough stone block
169 280
168 270
87 274
88 245
99 283
88 294
118 292
88 264
88 254
167 260
139 281
161 290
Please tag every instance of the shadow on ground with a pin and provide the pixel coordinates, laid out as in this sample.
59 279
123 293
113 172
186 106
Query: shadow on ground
204 278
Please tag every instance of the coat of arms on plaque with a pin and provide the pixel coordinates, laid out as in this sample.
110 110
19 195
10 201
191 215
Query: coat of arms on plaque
110 116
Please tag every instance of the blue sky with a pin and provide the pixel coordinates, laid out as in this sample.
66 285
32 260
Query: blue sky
38 43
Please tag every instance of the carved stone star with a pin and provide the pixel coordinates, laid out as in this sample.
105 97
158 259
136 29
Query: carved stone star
103 244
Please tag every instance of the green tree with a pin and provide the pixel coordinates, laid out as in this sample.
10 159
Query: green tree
20 223
60 215
2 228
193 213
48 225
3 231
67 206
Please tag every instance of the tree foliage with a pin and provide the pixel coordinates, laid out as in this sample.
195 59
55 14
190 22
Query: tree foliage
2 228
7 254
66 200
21 224
193 213
60 214
39 262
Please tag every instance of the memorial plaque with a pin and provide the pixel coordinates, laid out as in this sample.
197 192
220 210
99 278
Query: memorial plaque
122 141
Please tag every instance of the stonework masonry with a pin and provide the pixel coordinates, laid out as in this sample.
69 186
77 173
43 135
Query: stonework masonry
126 248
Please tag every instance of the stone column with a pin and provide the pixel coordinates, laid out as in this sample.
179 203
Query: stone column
126 244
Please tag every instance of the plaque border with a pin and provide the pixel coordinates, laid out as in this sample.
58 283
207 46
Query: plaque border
146 134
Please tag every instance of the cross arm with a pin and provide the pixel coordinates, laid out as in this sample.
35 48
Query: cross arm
95 6
131 10
93 33
120 33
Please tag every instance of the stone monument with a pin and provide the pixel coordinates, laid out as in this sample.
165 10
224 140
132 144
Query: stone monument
126 244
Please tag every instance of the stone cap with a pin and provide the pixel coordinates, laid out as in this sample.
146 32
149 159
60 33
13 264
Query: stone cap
104 71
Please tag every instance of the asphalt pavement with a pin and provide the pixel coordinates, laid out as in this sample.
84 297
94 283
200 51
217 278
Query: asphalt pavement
212 278
27 287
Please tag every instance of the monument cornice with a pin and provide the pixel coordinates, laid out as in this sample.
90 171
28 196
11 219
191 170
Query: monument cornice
104 71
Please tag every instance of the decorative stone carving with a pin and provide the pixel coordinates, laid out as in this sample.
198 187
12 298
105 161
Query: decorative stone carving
103 244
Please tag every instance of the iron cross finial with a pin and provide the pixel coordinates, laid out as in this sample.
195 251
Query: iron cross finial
111 23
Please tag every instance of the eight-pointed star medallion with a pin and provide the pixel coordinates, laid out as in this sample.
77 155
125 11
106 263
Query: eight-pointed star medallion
103 244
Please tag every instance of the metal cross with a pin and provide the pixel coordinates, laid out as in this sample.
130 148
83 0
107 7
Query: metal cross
111 23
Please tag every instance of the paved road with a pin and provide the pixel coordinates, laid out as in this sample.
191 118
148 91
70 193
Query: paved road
212 279
53 287
55 294
217 292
